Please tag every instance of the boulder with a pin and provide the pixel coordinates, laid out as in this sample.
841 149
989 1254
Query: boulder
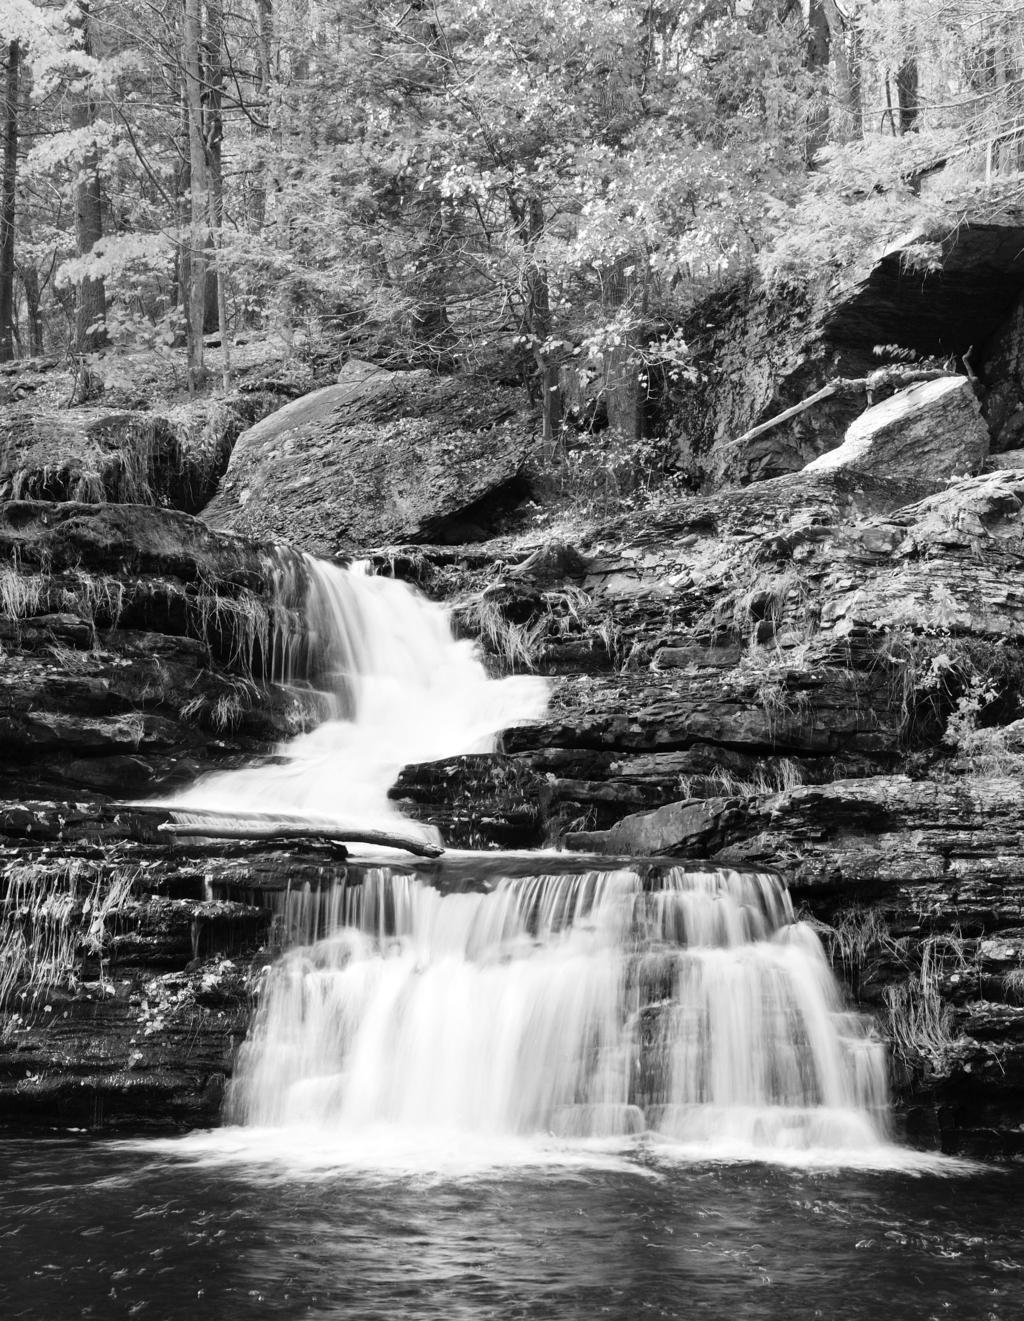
933 429
380 457
692 828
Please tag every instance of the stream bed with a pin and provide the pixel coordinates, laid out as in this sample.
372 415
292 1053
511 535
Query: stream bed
203 1230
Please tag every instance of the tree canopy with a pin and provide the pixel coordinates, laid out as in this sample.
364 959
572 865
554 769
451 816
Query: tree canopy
538 187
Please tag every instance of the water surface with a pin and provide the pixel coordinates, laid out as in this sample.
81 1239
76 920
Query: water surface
91 1229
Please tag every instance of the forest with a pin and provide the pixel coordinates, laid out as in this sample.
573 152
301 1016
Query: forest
540 190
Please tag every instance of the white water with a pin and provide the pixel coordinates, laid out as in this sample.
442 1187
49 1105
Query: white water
691 1013
580 1007
399 689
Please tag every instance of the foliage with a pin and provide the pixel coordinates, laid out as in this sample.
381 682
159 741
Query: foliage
959 689
543 189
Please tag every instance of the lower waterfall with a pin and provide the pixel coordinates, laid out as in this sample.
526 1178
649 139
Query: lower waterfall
688 1007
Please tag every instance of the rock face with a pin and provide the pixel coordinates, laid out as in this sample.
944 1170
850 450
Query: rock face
819 673
133 642
760 352
932 430
129 970
1003 404
381 457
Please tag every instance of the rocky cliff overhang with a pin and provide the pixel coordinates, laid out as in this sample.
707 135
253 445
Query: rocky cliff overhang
944 311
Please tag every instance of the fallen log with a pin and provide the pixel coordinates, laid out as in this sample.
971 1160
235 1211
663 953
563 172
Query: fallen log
207 823
823 393
210 830
882 378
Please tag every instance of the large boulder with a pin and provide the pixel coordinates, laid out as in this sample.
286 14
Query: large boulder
933 430
380 457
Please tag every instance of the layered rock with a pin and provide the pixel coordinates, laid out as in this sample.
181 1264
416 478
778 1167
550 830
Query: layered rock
760 647
134 646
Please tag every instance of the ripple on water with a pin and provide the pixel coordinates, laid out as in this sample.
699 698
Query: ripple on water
200 1230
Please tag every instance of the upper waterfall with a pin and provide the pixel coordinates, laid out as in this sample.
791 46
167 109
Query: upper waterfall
399 688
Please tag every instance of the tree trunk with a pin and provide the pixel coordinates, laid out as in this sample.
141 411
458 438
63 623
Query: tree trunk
625 395
848 121
91 302
8 202
182 187
213 132
539 325
199 190
818 41
264 65
33 300
907 96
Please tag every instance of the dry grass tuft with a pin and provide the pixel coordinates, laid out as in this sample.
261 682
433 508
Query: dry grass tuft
51 918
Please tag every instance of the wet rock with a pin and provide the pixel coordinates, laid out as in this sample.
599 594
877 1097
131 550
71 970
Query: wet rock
382 457
933 429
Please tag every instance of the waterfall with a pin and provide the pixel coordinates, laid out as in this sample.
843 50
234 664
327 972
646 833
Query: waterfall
399 689
629 1004
687 1008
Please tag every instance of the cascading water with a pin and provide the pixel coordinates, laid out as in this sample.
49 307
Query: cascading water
691 1007
398 688
683 1006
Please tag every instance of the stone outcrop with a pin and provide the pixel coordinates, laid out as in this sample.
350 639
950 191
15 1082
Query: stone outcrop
758 352
1003 399
133 963
380 457
133 648
933 430
819 673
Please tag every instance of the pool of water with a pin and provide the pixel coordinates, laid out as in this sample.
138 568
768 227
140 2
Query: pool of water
203 1230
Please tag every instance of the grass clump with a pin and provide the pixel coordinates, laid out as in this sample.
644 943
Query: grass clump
546 618
918 1021
21 595
240 628
226 710
51 920
776 777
